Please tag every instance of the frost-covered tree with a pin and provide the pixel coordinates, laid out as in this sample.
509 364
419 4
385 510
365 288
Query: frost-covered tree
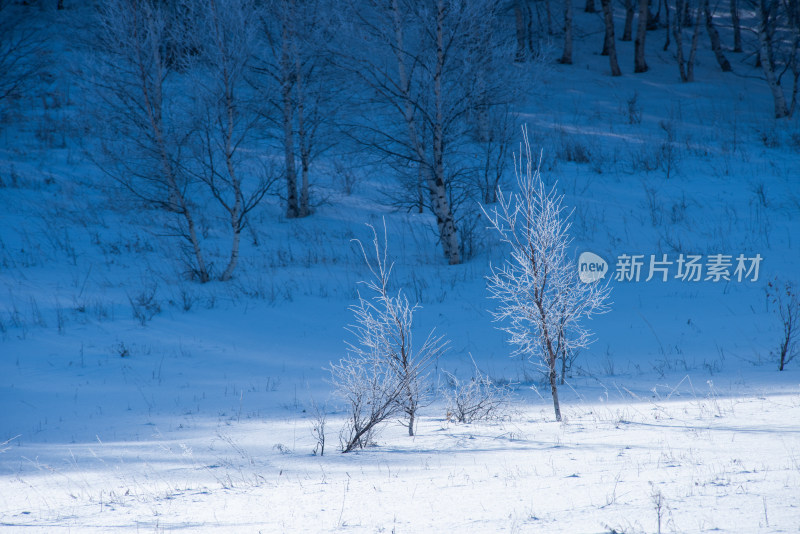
542 301
384 373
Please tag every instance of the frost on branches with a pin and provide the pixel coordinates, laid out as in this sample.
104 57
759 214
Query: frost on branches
383 374
541 299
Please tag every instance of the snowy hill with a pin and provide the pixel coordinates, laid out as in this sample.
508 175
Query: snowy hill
136 398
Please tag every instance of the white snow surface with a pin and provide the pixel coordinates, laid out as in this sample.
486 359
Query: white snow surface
675 420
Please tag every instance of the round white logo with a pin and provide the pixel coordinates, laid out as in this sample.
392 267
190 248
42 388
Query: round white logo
591 267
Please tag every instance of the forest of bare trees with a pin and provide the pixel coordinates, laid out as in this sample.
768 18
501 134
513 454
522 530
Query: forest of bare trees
212 106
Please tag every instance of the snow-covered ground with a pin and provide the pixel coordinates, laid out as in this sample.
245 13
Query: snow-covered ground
197 415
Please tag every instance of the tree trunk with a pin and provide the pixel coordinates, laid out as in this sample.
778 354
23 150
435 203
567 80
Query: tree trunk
292 208
177 200
693 52
764 53
549 17
519 20
433 173
440 201
554 386
607 33
713 34
666 24
737 27
784 350
411 409
678 32
566 57
238 205
610 46
303 140
653 20
420 190
234 257
628 31
639 64
551 353
590 8
529 28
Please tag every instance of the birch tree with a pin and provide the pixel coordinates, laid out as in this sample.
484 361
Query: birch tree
524 33
428 70
541 300
685 68
141 118
609 43
713 35
223 36
639 63
566 57
779 51
295 82
628 29
737 26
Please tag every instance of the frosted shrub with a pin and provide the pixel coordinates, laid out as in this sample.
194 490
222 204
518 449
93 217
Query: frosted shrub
477 399
384 373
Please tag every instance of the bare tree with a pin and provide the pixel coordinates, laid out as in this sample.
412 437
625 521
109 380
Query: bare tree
224 40
224 37
430 67
383 357
779 50
639 63
493 134
540 295
784 298
713 34
318 423
609 44
294 79
141 118
566 57
628 31
524 31
685 68
737 26
22 49
693 51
